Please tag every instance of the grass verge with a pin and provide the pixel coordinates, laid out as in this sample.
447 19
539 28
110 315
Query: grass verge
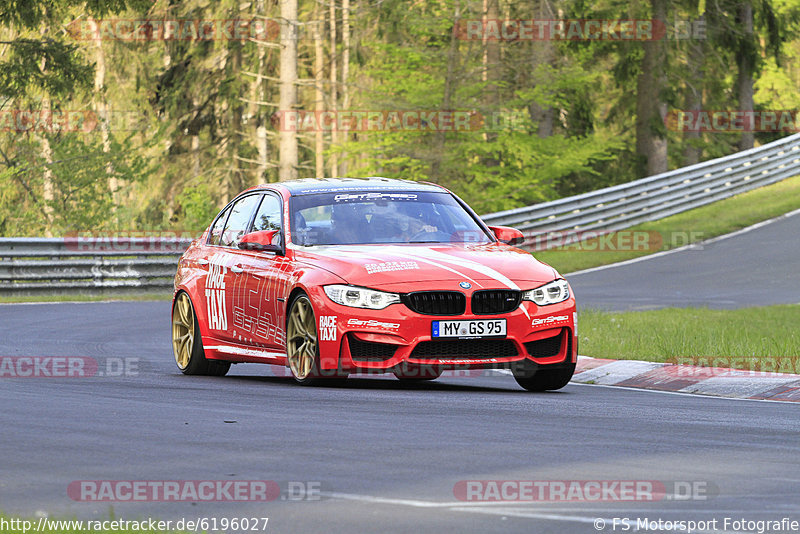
748 338
13 525
691 226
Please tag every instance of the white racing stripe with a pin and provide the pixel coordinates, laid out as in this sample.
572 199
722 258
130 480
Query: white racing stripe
422 259
433 258
469 264
401 254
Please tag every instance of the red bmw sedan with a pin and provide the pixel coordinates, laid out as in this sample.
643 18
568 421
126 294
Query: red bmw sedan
338 276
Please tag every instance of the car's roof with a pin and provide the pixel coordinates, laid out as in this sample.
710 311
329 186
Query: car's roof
306 186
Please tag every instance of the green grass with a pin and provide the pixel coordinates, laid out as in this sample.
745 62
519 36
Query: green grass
709 221
13 525
84 298
744 337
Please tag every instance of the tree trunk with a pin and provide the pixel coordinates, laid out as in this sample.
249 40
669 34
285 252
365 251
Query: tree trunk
744 79
48 189
334 160
449 90
259 95
222 108
651 145
491 57
194 147
237 176
693 152
166 60
195 157
288 88
319 94
542 54
48 194
101 108
345 70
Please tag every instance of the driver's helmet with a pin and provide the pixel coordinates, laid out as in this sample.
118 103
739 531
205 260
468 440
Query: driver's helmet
383 212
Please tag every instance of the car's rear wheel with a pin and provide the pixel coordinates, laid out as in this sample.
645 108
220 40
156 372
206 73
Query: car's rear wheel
302 346
543 379
187 344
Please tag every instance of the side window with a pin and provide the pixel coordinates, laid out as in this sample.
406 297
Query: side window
216 230
268 216
238 220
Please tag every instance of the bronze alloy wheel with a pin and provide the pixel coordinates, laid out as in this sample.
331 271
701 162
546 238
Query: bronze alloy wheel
301 339
183 332
187 345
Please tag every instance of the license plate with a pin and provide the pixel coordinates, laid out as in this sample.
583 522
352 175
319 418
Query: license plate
473 329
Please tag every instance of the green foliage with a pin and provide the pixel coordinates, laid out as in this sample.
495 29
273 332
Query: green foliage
47 65
551 118
199 207
775 89
13 217
80 173
502 162
530 168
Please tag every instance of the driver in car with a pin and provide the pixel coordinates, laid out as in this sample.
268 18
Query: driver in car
348 223
411 224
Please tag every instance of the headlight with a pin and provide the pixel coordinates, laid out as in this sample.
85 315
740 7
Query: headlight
551 293
360 297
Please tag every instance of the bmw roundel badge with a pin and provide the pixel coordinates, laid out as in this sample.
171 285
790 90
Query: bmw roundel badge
465 285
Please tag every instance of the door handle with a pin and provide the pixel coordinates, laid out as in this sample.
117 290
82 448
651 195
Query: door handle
236 269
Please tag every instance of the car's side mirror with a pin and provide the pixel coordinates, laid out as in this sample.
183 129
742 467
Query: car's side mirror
262 241
508 235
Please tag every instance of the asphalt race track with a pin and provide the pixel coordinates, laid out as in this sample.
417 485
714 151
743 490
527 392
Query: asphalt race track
385 456
756 268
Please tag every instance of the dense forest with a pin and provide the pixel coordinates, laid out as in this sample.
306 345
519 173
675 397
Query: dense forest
121 115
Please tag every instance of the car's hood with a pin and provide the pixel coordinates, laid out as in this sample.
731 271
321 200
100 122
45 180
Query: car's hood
406 267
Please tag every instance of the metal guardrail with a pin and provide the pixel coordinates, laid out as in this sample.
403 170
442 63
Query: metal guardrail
113 266
655 197
96 266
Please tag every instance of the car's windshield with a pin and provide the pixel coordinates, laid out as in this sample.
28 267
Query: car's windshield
352 217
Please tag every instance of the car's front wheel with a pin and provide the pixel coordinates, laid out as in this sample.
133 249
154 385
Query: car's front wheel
302 346
417 373
187 344
543 379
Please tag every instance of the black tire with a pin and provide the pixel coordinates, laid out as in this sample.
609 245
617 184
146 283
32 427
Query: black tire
411 373
302 346
187 344
543 378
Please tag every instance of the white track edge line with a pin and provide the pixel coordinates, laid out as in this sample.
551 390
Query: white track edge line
755 226
682 393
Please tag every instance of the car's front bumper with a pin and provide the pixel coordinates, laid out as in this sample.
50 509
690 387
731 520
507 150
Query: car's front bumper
355 339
